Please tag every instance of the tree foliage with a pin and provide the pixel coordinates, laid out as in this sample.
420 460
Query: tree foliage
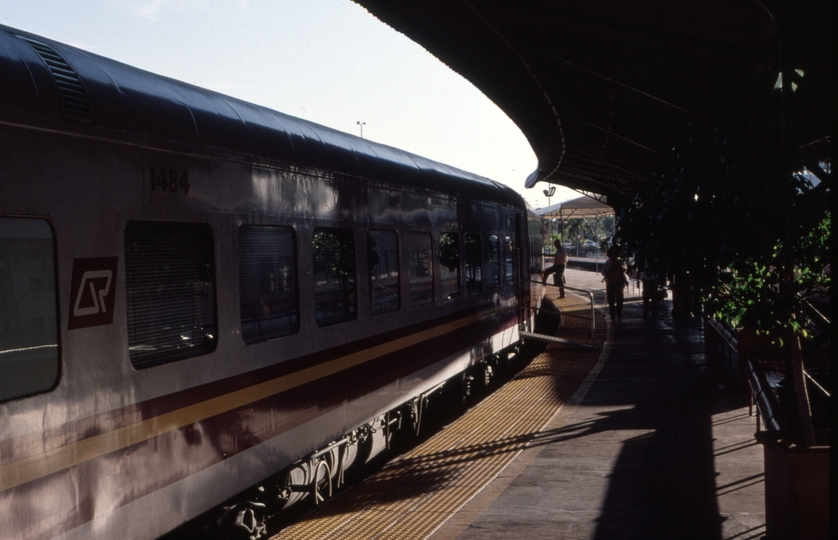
597 229
733 211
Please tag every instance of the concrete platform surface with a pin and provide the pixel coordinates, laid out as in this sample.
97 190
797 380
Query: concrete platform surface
656 444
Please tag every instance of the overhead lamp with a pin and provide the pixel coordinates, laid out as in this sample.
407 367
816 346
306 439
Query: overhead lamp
779 83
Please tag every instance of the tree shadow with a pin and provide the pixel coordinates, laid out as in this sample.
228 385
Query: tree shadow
662 484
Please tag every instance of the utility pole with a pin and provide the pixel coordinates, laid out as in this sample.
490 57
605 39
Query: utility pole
361 124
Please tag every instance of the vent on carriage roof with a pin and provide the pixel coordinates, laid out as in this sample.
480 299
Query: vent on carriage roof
75 105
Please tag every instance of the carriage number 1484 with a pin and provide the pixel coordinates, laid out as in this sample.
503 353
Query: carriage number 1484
171 180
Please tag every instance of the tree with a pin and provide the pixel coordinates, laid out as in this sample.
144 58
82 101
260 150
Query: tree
733 211
597 228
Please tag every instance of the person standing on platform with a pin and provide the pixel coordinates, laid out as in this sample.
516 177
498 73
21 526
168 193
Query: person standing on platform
559 263
614 276
649 281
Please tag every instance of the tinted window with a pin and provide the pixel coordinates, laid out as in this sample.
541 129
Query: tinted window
449 264
170 288
421 270
267 283
508 259
492 260
334 276
474 263
383 256
28 323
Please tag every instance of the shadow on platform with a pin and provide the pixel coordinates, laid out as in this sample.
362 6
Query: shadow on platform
658 396
661 446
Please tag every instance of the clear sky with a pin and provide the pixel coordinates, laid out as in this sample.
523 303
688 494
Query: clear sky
328 61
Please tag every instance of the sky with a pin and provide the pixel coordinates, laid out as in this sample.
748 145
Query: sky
327 61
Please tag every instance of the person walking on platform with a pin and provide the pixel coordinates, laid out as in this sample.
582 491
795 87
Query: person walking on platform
559 262
649 281
614 276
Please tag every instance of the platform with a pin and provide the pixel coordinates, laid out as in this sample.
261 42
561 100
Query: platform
641 438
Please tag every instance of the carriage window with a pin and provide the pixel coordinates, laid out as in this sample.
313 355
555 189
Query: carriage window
492 260
449 264
421 270
383 255
267 283
28 322
508 262
335 295
170 288
474 263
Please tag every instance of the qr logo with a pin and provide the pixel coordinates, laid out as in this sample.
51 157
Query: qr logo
92 292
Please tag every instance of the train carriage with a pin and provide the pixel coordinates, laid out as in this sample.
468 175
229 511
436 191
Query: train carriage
197 292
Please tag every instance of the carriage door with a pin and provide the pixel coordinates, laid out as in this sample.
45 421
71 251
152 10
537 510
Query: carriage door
521 272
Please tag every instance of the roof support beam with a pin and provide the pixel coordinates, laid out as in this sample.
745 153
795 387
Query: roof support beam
617 135
610 165
611 187
620 84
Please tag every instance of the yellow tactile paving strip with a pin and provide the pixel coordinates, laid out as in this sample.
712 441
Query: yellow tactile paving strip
414 495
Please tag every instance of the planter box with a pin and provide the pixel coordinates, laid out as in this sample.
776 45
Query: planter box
796 489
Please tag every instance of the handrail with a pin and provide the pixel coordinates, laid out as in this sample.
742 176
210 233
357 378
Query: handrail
821 388
819 318
768 405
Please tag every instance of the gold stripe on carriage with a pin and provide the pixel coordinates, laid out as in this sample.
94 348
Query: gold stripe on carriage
32 468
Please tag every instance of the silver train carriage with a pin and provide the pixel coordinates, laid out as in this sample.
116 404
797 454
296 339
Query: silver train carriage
197 292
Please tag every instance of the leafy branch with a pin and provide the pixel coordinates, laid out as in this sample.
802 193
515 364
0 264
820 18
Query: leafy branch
733 213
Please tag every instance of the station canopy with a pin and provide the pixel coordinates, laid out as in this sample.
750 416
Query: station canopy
581 207
604 90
